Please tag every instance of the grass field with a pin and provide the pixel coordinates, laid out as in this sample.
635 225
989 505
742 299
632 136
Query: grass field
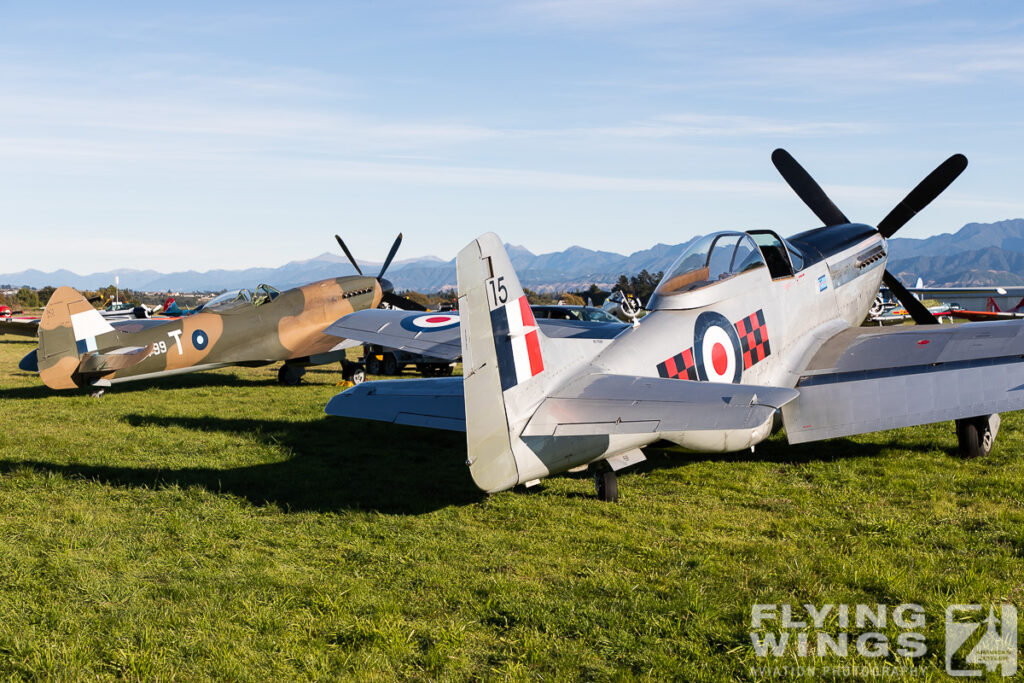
219 525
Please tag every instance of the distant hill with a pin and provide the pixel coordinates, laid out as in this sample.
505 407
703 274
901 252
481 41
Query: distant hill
977 254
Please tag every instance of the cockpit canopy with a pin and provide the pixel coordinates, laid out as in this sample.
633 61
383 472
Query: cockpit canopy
721 256
235 298
709 260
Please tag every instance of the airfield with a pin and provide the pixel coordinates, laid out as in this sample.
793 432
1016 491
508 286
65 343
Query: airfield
220 525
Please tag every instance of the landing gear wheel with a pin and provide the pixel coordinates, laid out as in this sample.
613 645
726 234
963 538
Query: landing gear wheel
290 375
606 484
975 436
351 372
96 393
390 365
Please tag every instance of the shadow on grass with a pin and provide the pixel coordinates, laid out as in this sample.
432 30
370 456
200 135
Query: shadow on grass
194 380
666 455
336 465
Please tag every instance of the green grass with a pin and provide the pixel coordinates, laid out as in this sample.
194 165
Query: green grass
219 525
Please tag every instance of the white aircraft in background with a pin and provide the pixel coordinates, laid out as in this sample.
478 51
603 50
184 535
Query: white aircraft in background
742 326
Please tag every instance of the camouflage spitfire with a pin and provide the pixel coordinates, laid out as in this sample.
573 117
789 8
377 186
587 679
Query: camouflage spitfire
78 348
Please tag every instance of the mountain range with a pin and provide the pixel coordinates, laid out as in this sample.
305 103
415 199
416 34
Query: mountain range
977 254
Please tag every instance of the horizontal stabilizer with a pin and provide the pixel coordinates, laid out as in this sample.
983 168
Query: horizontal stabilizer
621 404
112 361
435 403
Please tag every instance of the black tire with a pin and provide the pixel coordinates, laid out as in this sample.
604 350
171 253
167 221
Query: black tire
290 376
607 485
372 365
390 364
974 436
446 371
352 372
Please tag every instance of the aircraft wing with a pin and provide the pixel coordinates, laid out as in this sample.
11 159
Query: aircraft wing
986 315
431 334
437 334
869 379
436 403
621 404
25 327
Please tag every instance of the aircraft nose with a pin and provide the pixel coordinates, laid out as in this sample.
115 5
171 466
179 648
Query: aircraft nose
386 286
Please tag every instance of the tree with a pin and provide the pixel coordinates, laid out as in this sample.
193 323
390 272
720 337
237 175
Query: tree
28 298
45 293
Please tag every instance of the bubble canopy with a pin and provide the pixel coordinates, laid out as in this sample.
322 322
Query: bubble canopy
720 257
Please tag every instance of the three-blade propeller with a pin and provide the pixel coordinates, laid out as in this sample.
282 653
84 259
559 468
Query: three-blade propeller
386 286
921 196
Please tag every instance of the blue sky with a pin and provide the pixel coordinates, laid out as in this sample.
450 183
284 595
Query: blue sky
206 135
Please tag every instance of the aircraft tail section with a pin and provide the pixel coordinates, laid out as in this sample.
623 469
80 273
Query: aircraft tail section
502 360
70 331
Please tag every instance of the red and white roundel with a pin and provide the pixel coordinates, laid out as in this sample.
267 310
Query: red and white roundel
716 349
431 321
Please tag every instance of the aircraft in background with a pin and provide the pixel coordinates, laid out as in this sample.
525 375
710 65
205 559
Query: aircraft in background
743 326
12 322
79 348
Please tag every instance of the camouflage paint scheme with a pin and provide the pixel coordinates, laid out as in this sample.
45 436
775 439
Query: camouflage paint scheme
288 327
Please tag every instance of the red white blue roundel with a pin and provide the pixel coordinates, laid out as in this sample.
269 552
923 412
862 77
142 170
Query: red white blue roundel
431 321
716 349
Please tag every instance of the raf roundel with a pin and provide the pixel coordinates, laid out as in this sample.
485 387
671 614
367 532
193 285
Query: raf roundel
716 349
200 340
431 321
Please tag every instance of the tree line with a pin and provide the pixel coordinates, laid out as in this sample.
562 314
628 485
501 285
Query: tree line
641 285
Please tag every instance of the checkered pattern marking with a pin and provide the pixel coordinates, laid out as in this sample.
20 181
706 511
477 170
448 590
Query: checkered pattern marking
679 366
753 339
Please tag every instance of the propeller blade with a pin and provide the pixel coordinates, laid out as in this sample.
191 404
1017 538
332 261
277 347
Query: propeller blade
917 310
808 190
922 195
402 303
348 253
391 255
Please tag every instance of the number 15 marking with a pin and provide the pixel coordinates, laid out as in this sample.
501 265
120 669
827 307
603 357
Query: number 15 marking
499 293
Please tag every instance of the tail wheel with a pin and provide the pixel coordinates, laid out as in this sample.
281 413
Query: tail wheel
975 436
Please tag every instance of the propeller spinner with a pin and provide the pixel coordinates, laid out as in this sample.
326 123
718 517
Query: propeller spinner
921 196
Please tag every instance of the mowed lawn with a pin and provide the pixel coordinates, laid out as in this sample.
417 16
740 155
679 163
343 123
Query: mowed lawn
220 525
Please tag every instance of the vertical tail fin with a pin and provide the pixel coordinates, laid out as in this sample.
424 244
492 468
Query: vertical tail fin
68 329
501 357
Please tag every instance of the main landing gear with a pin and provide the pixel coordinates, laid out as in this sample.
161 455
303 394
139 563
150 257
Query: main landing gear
605 482
352 372
975 435
290 375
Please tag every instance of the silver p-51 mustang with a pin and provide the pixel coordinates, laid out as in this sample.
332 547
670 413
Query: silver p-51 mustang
743 326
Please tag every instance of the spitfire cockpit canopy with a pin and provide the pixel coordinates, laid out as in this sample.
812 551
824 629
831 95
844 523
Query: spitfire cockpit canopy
235 298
